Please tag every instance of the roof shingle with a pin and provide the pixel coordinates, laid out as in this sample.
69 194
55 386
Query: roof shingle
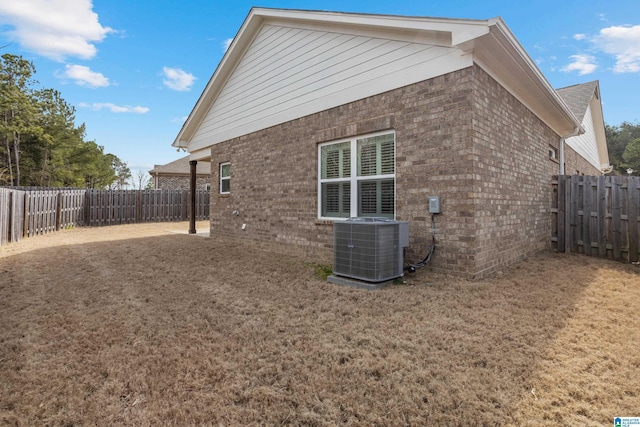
578 97
181 167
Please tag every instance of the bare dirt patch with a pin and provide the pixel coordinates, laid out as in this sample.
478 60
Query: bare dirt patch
138 325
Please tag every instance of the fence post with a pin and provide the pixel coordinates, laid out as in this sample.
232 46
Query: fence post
25 226
87 209
139 206
10 219
59 211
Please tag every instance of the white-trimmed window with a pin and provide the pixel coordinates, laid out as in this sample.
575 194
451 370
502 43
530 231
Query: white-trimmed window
225 178
357 185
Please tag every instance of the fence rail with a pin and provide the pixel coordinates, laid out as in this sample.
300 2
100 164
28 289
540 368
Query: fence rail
597 216
28 212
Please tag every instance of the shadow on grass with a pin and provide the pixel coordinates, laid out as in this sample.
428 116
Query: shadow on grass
181 330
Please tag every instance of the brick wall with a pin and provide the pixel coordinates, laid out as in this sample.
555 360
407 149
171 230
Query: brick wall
181 182
575 164
512 194
459 136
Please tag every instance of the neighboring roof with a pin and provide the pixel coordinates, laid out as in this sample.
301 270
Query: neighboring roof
181 167
578 97
224 111
584 101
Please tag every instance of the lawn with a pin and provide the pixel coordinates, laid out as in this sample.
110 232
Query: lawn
138 325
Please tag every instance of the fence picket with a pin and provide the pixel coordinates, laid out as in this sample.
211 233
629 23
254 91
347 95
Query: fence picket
572 210
5 215
601 227
616 221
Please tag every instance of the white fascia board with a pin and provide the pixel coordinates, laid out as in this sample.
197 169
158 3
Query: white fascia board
503 57
599 128
460 30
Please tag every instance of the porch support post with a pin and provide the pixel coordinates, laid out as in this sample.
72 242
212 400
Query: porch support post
192 193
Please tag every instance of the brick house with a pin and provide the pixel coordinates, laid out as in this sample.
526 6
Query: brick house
175 175
313 117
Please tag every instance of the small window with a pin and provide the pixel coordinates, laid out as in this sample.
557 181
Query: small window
225 178
553 153
207 187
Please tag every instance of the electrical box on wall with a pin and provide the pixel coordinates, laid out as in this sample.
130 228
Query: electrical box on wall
434 204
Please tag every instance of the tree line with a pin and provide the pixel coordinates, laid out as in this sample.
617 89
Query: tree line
40 144
623 142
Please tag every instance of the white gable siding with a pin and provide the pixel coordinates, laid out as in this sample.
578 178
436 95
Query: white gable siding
586 144
288 73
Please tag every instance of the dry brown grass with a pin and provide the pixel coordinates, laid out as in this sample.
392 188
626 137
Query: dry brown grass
134 325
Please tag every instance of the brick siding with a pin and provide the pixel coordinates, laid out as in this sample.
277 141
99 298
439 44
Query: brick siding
459 136
575 164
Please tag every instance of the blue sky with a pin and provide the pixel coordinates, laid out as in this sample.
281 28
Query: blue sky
134 69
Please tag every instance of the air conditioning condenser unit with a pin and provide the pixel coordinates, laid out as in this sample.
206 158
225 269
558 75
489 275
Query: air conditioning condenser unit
369 249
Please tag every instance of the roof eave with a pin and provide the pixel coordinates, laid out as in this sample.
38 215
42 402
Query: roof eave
500 54
601 137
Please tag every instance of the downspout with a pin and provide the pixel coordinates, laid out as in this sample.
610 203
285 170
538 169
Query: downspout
575 132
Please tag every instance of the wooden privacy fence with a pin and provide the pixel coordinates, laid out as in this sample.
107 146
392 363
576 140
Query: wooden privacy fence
112 207
597 216
28 212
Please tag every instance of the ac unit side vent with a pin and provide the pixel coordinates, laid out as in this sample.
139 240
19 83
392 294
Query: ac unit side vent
369 249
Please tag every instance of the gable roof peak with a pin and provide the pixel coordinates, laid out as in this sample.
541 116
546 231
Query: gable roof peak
454 43
578 97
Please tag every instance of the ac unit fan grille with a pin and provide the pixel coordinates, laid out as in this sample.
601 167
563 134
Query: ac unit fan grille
368 251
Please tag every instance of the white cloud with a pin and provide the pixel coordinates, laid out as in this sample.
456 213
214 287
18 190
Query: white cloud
623 42
54 28
583 64
114 108
83 76
579 36
226 44
177 79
